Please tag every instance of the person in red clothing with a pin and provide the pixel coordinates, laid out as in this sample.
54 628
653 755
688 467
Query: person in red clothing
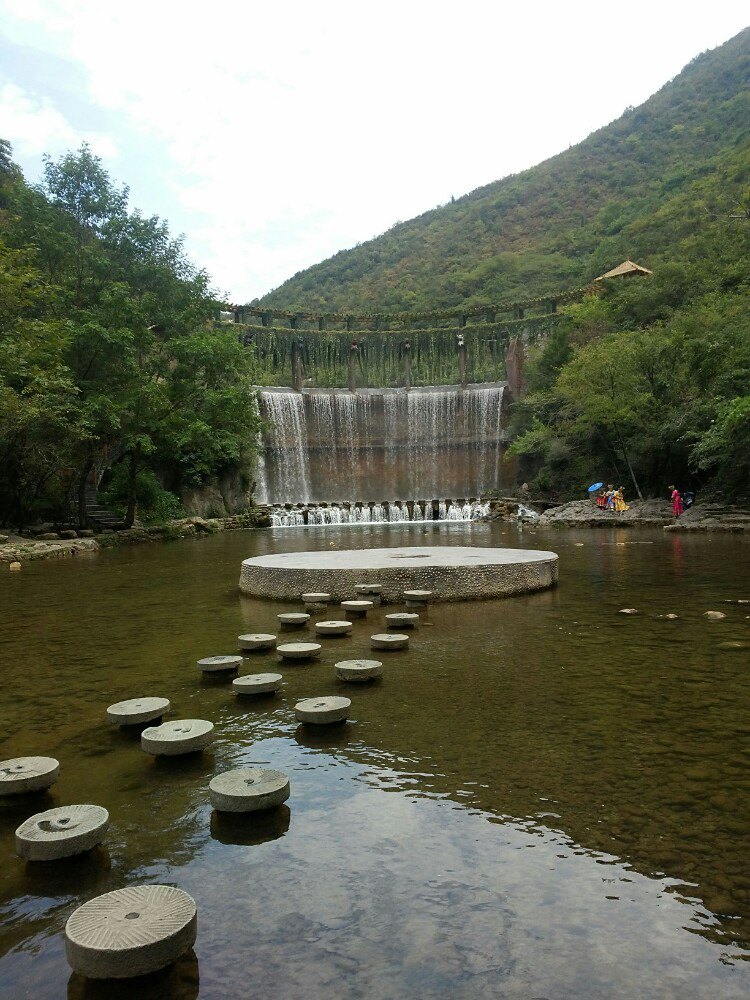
677 505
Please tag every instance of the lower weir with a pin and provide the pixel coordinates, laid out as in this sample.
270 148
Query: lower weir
376 445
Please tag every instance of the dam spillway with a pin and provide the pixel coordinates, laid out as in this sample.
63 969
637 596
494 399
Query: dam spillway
323 445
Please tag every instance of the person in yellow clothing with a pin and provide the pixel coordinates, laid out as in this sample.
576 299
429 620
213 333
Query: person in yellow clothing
620 504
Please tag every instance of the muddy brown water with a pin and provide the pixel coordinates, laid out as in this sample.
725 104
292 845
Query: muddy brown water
541 798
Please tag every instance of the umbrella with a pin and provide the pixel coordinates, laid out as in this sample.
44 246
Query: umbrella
594 486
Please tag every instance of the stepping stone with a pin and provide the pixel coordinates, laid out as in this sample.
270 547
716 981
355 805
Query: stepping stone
27 774
402 619
322 711
220 664
316 600
171 739
293 619
333 628
248 789
389 640
357 609
256 641
130 932
368 588
714 616
628 611
135 710
299 650
257 684
417 598
61 832
358 670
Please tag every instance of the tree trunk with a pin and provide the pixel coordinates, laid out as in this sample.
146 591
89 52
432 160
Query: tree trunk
630 468
132 483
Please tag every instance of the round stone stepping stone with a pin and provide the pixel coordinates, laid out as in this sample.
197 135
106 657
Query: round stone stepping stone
299 650
219 664
368 588
322 711
357 609
171 739
333 628
358 670
293 619
403 619
27 774
316 598
389 640
248 789
257 684
61 832
417 598
255 641
135 710
130 932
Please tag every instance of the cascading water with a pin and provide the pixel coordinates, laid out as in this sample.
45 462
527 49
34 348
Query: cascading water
433 442
376 514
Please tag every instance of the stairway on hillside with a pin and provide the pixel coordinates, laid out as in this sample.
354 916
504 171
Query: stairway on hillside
98 515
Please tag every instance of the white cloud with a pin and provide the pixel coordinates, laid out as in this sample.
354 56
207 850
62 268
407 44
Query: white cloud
287 132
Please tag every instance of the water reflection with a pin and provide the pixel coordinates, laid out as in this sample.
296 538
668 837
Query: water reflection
250 828
180 981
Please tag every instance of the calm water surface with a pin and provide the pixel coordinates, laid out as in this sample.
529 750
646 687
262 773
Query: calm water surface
542 798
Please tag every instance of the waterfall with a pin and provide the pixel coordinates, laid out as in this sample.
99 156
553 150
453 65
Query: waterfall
322 445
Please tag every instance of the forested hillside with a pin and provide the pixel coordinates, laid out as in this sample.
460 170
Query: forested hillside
645 187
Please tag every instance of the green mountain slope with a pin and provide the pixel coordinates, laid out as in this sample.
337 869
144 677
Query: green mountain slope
643 187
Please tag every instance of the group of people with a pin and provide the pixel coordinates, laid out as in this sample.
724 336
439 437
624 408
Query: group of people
611 499
681 500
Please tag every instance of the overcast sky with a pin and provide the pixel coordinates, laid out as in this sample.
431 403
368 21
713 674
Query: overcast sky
274 135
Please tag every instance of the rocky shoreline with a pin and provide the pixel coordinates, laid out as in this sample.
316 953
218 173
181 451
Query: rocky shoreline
650 514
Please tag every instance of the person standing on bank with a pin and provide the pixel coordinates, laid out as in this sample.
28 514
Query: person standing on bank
677 505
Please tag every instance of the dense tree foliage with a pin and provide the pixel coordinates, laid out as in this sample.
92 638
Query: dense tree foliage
107 346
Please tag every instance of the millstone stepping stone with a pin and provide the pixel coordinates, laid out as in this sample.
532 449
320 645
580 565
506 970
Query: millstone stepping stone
322 711
368 588
333 628
389 640
316 599
358 609
61 832
714 616
219 664
256 641
257 684
27 774
293 619
130 932
135 710
299 650
358 670
248 789
417 598
402 620
171 739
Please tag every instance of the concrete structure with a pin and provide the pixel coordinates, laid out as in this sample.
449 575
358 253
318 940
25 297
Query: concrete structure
389 640
61 832
333 628
299 650
368 588
256 642
257 684
172 739
292 619
136 710
248 789
452 573
403 619
417 598
130 932
220 664
358 670
322 711
357 609
27 774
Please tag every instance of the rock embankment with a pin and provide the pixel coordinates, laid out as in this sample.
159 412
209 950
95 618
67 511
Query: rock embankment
648 513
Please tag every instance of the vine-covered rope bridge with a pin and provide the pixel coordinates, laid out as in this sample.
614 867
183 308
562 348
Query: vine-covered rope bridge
438 347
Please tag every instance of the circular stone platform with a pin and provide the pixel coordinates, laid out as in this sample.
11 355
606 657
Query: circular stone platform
358 670
248 789
174 738
322 711
452 573
402 620
137 710
219 664
389 640
299 650
27 774
257 684
333 628
61 832
130 932
253 642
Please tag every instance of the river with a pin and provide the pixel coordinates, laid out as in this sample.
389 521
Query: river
541 798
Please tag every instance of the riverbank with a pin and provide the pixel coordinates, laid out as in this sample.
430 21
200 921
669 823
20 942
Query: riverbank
651 514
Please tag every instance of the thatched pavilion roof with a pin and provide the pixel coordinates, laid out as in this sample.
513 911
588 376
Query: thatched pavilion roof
627 268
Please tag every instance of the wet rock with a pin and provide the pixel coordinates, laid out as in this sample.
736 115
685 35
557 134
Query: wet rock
714 616
628 611
14 567
85 533
48 536
68 534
